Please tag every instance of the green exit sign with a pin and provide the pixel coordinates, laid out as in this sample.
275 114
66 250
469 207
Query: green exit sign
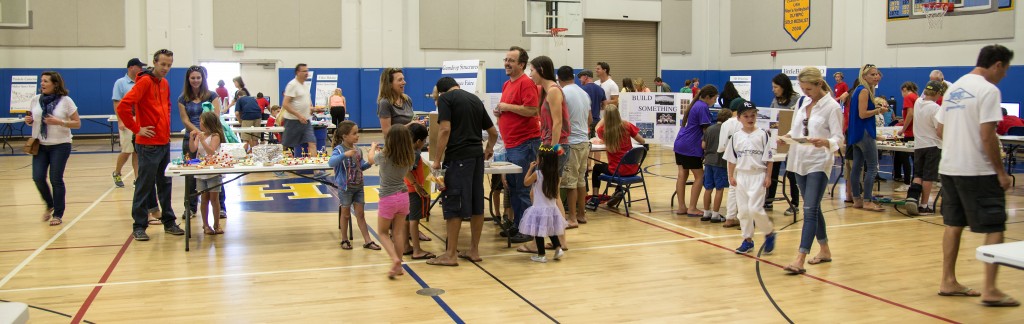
239 47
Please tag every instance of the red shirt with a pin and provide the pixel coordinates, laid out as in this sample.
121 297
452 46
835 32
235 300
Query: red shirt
263 103
418 173
841 88
625 144
846 115
908 105
546 121
270 123
152 101
1008 121
695 91
516 129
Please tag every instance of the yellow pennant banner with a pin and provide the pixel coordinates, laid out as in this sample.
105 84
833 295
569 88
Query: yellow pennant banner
796 17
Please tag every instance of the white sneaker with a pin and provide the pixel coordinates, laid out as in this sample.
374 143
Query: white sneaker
559 254
539 258
902 188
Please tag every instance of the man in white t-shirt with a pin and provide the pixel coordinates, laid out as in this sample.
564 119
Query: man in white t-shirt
973 173
604 79
297 109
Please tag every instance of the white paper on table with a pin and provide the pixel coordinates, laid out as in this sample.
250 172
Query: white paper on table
795 141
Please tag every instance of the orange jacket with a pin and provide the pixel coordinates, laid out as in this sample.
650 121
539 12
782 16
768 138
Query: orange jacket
152 99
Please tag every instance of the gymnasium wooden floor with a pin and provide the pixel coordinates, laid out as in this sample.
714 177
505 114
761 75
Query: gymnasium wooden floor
287 267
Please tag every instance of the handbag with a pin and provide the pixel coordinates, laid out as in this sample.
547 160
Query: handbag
31 146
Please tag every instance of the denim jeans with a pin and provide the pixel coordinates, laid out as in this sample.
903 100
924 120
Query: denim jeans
813 187
190 184
864 152
521 155
52 158
152 182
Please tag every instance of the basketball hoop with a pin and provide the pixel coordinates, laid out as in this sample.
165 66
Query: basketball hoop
558 34
935 12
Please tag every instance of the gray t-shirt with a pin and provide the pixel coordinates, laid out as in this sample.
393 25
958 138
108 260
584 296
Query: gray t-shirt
391 176
399 115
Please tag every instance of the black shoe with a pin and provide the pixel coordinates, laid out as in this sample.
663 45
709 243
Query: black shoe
223 214
140 235
768 207
520 238
705 218
173 230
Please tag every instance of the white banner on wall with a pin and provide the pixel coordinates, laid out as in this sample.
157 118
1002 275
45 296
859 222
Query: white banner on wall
460 67
794 70
324 90
742 84
467 84
327 77
656 114
21 96
24 79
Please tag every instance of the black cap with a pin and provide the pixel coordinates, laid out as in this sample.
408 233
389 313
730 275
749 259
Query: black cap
739 106
136 62
935 86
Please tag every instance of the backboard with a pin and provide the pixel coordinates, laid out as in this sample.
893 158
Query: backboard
898 9
543 15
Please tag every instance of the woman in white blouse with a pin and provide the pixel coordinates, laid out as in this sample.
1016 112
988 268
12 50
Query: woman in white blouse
53 115
820 123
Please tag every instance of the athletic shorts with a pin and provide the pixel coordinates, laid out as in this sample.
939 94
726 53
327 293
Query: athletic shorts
715 177
127 139
926 163
418 207
393 204
463 196
690 162
296 133
975 201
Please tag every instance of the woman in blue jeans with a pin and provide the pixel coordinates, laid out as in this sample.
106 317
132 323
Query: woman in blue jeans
820 123
862 137
53 115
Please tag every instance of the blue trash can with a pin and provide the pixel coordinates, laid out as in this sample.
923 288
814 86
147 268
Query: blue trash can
321 137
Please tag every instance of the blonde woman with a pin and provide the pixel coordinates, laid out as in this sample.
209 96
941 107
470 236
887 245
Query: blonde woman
393 106
337 104
820 122
862 137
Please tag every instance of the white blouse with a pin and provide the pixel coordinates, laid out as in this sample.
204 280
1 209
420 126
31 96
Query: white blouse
54 134
826 122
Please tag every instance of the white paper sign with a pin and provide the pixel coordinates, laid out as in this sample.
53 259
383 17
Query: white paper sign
24 78
742 84
21 96
468 84
324 90
793 70
656 114
460 67
327 77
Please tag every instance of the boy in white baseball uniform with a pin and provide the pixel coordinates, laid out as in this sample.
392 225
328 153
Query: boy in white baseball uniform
750 163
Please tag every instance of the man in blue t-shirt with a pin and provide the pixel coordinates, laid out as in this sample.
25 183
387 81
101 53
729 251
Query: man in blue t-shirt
596 95
249 114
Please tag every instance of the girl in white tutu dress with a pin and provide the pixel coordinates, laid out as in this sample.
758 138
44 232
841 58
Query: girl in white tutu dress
544 218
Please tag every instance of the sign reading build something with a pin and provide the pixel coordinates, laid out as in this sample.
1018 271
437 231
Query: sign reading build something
656 114
796 18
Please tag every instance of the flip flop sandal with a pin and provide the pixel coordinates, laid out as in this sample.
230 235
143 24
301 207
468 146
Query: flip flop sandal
425 238
548 246
208 231
48 214
581 220
572 227
154 221
466 257
346 245
817 260
56 221
790 270
876 208
1005 302
523 249
372 246
426 256
437 262
219 230
966 292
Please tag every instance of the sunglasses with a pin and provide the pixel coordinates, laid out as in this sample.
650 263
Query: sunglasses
805 127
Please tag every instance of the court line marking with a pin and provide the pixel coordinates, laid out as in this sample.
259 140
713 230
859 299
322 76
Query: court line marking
52 239
666 222
65 248
106 275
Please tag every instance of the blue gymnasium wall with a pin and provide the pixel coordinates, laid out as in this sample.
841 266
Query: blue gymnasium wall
91 88
892 78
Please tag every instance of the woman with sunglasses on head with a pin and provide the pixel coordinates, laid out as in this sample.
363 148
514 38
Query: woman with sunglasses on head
818 123
862 137
190 106
52 116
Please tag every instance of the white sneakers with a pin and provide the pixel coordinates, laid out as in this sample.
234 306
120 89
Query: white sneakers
559 253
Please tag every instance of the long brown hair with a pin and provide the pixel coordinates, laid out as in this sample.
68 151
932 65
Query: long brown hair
58 82
707 91
398 146
614 128
212 123
386 92
203 93
344 128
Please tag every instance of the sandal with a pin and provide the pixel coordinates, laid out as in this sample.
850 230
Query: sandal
873 207
218 229
47 214
56 221
208 230
524 249
466 257
1004 302
581 220
425 238
791 270
371 246
155 221
346 245
818 260
425 256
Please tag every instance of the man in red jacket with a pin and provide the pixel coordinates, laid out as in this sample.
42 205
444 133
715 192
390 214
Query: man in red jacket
151 124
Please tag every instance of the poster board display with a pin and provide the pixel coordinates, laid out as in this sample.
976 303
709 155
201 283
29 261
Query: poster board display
657 114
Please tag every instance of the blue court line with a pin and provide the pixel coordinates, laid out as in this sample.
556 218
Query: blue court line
423 284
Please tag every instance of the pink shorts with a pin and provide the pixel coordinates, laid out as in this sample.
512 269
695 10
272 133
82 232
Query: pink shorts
393 204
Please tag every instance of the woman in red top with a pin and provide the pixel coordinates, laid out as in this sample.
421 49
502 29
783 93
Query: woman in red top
616 134
901 160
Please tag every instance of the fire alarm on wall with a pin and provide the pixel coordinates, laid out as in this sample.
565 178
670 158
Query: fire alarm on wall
773 53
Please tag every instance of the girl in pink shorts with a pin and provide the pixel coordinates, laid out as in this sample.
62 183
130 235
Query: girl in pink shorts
394 161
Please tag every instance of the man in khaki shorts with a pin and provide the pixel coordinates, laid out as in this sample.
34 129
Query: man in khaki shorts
249 114
121 87
574 176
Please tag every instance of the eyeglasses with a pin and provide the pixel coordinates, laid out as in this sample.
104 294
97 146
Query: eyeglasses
805 127
508 60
